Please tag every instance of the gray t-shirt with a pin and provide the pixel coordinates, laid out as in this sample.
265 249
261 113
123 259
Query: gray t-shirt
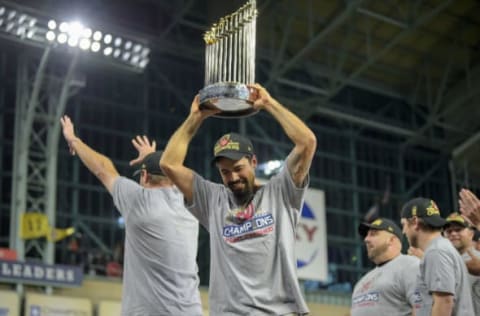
388 289
160 269
474 282
253 261
443 270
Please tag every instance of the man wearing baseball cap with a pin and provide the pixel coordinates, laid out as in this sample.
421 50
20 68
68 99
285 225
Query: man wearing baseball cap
252 227
460 233
160 271
388 289
442 285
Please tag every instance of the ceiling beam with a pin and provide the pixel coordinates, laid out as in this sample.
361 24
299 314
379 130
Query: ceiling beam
362 121
338 21
463 91
392 43
469 142
176 19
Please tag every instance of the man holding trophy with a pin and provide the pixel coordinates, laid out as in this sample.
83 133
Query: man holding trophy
252 226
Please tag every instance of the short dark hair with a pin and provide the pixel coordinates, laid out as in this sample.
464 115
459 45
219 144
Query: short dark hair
424 225
156 179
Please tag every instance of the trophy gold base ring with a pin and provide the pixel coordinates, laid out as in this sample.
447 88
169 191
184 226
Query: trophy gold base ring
232 98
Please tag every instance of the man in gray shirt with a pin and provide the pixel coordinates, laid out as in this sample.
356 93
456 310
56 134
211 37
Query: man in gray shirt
252 227
460 234
160 270
388 289
442 283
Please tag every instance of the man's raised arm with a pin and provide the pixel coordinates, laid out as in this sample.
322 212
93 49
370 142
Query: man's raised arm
100 165
304 139
176 150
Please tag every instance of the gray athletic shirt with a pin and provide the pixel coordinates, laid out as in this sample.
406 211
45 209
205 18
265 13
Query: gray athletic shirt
253 261
388 289
474 282
443 270
160 270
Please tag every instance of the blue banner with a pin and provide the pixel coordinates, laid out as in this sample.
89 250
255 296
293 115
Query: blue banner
40 274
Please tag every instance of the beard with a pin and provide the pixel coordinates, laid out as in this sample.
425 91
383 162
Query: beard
242 194
413 241
459 245
375 252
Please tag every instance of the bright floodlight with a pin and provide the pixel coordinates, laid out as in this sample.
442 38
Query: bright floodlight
120 49
72 41
21 31
87 32
135 59
63 27
50 36
97 36
107 51
270 168
10 26
107 39
52 24
143 63
62 38
95 47
84 43
75 29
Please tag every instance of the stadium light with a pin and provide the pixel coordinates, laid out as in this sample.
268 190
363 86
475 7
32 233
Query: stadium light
21 24
269 168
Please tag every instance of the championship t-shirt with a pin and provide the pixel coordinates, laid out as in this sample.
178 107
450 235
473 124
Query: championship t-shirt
253 262
388 289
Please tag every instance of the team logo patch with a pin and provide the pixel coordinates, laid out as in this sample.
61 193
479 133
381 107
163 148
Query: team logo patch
258 226
366 299
432 209
242 214
377 222
224 141
417 297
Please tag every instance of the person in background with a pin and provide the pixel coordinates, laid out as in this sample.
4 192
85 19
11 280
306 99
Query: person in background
443 285
390 288
160 270
460 233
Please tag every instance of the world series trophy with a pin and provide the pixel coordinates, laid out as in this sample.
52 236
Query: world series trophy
230 63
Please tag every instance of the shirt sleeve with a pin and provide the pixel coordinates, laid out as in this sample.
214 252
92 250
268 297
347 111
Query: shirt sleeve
292 194
205 199
439 272
125 193
409 280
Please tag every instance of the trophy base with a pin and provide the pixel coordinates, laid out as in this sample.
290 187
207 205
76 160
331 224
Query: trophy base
232 98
